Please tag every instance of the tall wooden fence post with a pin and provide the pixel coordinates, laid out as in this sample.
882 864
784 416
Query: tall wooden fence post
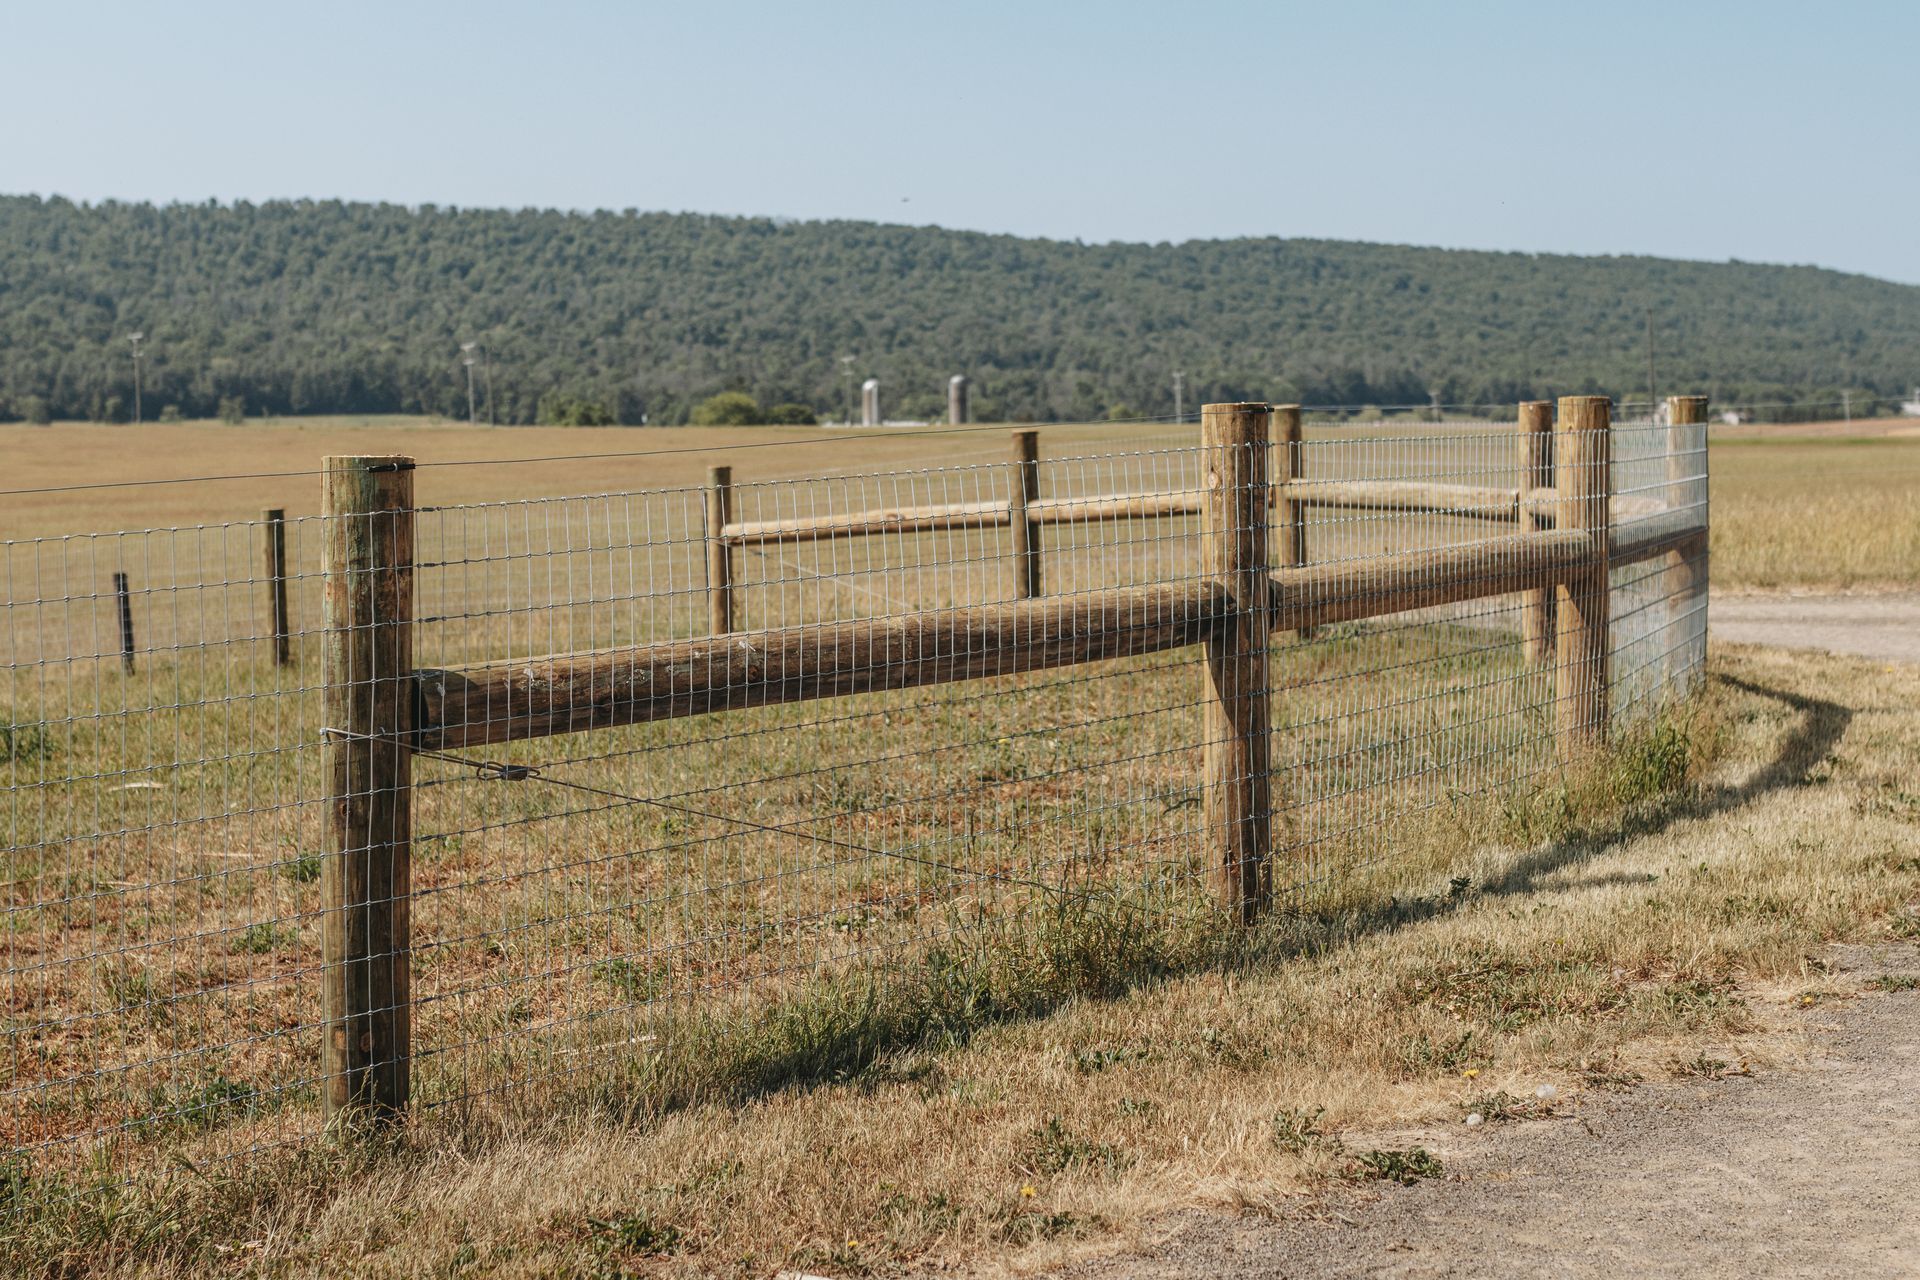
1237 710
1536 472
1687 566
273 522
367 1013
123 597
1026 534
1582 466
1290 516
719 551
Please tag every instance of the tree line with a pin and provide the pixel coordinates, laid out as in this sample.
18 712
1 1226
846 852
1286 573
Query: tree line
303 307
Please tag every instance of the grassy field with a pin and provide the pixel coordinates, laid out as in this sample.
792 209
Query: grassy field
592 971
1027 1095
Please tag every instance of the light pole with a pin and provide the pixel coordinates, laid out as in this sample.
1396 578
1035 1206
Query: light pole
846 370
466 358
486 371
1179 403
135 339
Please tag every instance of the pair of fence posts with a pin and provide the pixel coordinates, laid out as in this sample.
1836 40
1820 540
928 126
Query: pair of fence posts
371 691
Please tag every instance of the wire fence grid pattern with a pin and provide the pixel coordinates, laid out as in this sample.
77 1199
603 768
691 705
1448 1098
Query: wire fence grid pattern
166 835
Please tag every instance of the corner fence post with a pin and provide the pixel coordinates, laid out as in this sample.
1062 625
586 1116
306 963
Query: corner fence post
273 522
366 988
1290 515
1582 466
1535 439
719 551
1025 488
1237 706
1687 566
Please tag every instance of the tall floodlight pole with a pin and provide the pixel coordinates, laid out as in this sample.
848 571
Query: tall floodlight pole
467 358
1179 403
846 371
135 339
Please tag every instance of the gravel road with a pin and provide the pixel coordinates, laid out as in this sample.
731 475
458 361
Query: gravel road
1807 1172
1871 626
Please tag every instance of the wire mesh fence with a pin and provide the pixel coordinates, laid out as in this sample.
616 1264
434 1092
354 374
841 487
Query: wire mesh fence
617 760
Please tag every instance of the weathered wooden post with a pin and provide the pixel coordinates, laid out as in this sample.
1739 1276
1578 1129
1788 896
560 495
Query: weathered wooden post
719 551
366 943
1290 514
1687 565
273 522
1582 463
1536 472
124 596
1236 714
1026 534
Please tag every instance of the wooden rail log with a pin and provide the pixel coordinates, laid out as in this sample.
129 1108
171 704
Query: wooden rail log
509 701
1115 506
1322 594
1654 536
857 524
1545 503
1481 501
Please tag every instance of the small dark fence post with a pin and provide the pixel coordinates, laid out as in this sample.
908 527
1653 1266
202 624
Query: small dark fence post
366 944
1536 472
719 551
273 522
125 599
1026 534
1236 703
1582 466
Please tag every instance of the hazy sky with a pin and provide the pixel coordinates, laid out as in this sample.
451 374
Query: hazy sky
1781 132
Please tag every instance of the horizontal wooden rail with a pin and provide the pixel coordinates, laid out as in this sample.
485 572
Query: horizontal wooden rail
1655 536
1322 594
509 701
1482 502
955 515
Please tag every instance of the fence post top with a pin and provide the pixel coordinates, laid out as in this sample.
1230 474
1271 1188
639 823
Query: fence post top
1585 413
1242 406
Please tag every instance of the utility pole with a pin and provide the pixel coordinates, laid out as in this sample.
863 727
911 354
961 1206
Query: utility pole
466 358
1846 404
1179 403
846 371
1652 404
1433 403
486 370
136 339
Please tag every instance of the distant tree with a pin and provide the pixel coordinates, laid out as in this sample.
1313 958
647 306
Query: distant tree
1122 413
560 409
171 413
113 409
790 414
36 410
233 410
728 409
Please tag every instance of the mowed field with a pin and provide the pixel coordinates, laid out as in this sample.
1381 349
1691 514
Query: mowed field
1806 505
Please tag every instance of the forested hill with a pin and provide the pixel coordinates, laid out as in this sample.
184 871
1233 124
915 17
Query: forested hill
325 307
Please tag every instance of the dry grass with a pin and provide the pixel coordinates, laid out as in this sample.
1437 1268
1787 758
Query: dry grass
1815 511
1041 1091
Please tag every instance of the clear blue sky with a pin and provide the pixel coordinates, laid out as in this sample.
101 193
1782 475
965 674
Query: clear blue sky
1781 132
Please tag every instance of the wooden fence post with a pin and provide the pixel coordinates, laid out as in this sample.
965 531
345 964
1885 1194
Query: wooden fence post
1237 710
719 552
1535 427
1687 566
1582 463
124 596
1289 516
274 524
1026 534
367 1013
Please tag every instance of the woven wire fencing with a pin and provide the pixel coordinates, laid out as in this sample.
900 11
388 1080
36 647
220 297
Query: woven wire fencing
737 737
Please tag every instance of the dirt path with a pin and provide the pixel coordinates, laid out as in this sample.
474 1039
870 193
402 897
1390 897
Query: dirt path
1872 626
1804 1172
